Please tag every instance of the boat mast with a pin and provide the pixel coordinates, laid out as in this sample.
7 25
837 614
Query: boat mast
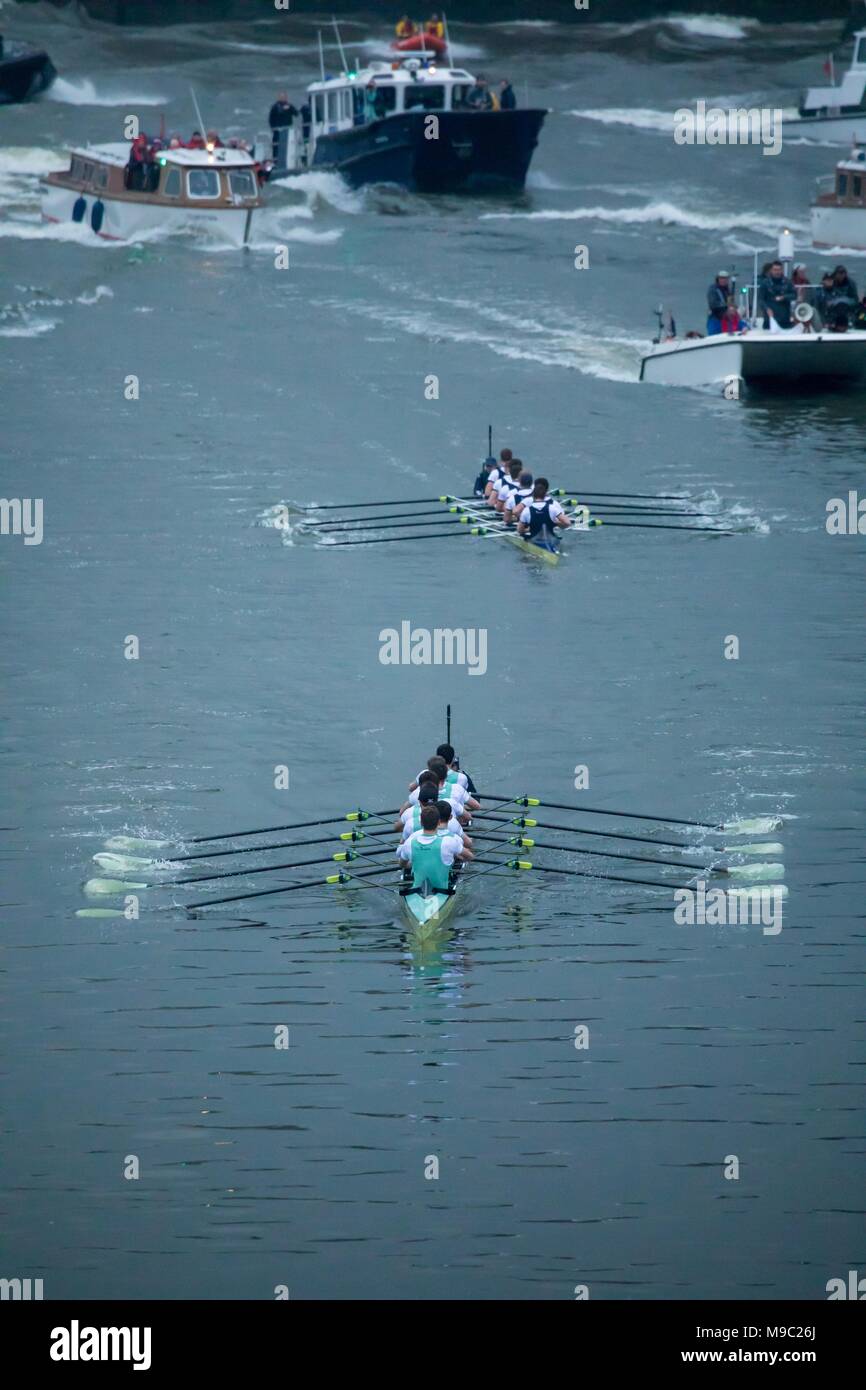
339 44
321 56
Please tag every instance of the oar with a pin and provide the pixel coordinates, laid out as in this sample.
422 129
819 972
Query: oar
358 815
351 835
341 856
367 520
342 877
523 843
526 822
584 873
663 526
386 502
425 536
632 496
603 811
397 525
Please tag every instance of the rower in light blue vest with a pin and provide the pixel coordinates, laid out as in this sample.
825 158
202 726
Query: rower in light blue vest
430 855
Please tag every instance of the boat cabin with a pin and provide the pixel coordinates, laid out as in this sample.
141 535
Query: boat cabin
375 92
198 178
850 95
846 188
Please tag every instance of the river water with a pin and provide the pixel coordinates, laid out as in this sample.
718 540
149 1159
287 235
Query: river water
152 1040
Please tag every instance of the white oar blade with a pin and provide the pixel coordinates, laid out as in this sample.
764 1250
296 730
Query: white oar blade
755 871
761 847
128 863
100 912
760 825
128 844
110 885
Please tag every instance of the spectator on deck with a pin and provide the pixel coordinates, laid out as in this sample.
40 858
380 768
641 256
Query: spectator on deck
507 99
717 301
843 296
280 116
860 316
195 141
731 321
822 296
479 98
435 27
776 294
800 281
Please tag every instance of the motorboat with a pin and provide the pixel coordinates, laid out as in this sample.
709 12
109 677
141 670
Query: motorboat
410 121
24 71
214 189
838 214
808 354
836 113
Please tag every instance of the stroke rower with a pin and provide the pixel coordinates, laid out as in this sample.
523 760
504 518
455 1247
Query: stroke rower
540 515
431 856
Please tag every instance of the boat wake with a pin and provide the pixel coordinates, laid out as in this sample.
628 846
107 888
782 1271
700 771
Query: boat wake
81 91
664 213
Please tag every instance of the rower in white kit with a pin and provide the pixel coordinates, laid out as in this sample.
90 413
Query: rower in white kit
428 795
431 856
539 517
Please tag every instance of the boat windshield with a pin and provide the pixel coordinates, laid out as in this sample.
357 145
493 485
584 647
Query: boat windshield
203 183
242 184
424 97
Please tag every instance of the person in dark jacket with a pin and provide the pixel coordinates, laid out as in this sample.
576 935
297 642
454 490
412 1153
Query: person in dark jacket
281 115
842 296
507 99
717 301
776 294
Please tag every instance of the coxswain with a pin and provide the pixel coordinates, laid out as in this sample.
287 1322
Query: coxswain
540 515
446 751
405 28
429 855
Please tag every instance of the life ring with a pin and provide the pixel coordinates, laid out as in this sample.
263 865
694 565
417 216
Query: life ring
97 213
418 42
79 208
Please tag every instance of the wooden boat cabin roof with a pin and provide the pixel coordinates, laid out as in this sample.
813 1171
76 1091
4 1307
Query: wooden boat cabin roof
117 156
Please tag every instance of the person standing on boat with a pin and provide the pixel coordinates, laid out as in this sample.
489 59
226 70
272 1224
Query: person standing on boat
404 28
507 99
540 515
717 301
843 296
280 117
776 294
435 27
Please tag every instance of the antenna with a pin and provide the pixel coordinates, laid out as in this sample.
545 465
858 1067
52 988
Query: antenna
340 44
447 723
201 125
321 56
490 441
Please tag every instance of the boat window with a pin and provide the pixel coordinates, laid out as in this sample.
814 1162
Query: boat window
358 104
345 104
75 170
424 97
242 184
843 185
102 176
857 185
171 187
203 183
319 108
88 173
333 107
459 93
386 99
861 52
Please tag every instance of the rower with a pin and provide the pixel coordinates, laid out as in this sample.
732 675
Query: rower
500 494
498 472
540 515
447 823
430 856
518 496
437 774
410 820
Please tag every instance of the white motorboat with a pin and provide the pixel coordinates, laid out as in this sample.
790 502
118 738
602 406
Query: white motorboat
765 357
214 189
839 209
836 113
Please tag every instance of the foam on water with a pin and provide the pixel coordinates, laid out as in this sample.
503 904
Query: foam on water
665 213
80 91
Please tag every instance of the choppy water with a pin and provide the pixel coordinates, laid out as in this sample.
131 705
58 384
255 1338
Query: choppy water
155 1038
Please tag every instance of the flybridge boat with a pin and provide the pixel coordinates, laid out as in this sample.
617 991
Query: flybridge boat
834 113
839 209
24 71
806 354
214 189
410 122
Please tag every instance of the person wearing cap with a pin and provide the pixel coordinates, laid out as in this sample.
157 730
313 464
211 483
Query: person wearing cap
717 301
776 294
822 296
843 296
